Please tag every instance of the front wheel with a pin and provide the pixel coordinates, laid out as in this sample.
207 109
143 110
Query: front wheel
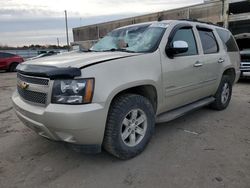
13 67
129 127
223 94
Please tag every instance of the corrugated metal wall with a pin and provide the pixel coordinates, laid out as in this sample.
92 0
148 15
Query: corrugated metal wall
211 12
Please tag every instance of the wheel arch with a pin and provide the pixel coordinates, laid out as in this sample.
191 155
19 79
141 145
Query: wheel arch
147 90
11 64
231 73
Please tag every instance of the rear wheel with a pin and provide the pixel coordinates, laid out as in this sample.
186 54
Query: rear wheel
129 127
223 94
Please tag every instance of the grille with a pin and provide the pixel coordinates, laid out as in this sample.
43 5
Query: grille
245 58
32 96
32 80
245 64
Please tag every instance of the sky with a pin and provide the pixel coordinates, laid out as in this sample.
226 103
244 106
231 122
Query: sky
26 22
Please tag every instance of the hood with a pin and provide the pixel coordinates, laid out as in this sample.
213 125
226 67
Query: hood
242 36
245 52
78 59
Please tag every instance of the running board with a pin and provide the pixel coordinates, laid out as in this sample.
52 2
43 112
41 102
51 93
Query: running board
173 114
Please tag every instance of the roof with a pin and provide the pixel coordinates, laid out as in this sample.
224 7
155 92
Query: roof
146 23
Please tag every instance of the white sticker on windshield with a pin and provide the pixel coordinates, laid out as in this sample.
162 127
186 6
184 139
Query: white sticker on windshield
162 25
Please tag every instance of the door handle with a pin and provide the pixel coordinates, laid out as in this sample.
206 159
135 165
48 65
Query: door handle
221 60
198 64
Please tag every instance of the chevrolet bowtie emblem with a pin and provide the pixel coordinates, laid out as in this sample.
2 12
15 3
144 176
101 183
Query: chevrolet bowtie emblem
24 85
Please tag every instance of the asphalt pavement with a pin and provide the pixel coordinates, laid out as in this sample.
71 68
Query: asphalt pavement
204 149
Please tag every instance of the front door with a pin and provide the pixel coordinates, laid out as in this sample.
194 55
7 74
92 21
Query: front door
183 74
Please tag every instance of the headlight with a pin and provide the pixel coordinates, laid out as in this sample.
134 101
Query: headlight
78 91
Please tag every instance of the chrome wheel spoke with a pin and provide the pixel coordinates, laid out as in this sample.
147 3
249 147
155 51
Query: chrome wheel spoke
126 134
126 122
140 120
132 138
223 99
134 114
139 131
225 93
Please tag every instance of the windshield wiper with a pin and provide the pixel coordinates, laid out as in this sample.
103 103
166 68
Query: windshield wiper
119 50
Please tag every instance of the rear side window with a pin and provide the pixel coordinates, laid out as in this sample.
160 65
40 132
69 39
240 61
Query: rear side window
208 41
228 40
186 34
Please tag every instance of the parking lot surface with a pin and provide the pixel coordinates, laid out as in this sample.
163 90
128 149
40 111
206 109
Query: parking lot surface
205 148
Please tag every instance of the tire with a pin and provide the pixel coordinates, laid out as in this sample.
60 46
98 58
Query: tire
122 138
13 67
223 94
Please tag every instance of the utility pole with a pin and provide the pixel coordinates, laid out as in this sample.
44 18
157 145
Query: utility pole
57 42
67 33
225 4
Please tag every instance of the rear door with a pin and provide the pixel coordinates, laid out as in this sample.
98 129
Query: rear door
213 58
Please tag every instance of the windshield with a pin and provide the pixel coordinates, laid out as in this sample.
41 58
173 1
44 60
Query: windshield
143 38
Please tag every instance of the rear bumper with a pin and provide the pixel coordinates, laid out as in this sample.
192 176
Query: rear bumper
77 124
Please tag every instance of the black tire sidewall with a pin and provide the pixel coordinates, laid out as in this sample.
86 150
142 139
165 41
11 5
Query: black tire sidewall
149 130
13 67
133 102
218 103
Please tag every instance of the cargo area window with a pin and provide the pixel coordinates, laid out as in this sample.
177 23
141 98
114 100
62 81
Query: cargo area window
228 40
208 41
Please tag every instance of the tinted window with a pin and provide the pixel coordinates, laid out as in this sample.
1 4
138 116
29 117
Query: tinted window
187 36
228 40
6 55
208 41
1 55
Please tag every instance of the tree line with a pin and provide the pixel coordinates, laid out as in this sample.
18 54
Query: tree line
32 46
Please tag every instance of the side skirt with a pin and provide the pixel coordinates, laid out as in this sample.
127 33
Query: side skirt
176 113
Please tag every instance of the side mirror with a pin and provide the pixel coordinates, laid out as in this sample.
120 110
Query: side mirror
177 47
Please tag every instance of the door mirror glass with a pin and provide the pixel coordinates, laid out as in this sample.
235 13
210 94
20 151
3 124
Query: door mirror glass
180 47
177 47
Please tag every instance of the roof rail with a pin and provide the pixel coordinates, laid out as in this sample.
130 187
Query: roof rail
198 21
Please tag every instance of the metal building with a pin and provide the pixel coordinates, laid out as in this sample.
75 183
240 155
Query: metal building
233 14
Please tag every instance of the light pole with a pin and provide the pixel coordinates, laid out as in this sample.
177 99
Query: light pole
57 42
67 33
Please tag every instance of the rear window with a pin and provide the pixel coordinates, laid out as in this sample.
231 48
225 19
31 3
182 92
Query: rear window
228 40
208 41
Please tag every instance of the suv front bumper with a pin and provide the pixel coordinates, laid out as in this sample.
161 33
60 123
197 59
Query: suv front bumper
77 124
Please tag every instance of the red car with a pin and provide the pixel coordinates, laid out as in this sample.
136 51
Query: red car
9 61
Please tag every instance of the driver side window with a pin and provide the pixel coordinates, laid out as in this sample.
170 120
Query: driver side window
187 35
